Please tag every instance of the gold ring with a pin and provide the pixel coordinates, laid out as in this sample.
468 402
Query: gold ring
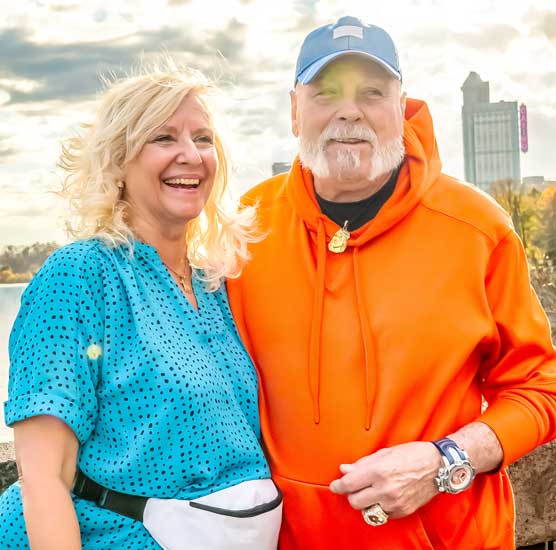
374 515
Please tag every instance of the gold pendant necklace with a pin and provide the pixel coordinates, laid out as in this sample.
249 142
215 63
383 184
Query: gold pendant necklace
187 288
338 243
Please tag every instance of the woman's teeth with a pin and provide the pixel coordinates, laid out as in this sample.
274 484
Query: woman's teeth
182 182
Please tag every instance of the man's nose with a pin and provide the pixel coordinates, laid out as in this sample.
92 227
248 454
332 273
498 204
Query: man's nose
349 111
188 153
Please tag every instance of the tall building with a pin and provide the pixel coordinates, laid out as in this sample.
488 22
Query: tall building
491 135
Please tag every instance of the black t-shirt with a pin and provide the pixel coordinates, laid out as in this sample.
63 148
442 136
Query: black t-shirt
358 213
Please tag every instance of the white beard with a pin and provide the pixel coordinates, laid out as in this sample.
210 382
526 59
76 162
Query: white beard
385 157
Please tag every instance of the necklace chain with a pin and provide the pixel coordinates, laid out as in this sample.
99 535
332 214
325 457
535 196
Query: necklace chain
187 287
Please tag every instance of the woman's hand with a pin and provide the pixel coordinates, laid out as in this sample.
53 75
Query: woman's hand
46 454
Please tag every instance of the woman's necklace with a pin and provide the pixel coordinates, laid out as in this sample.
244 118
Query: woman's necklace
182 277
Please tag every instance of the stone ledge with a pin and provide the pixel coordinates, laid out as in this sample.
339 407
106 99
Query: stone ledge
7 452
534 482
533 479
8 469
8 474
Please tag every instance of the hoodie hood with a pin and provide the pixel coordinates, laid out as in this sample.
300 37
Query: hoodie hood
419 171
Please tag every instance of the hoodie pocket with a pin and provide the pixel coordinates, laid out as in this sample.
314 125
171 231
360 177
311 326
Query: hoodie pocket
314 517
449 522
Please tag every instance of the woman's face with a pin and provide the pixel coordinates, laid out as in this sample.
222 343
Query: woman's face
169 181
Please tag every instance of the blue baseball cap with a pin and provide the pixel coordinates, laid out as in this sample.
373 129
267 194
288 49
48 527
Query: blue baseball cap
348 35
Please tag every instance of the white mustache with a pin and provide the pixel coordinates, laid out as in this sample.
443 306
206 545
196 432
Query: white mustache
347 131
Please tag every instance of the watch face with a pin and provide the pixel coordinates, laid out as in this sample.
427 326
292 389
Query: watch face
460 477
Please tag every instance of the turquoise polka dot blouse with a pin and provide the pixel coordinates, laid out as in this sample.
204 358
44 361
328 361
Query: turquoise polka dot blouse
162 397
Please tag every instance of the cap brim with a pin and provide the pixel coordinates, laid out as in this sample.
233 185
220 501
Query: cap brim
313 70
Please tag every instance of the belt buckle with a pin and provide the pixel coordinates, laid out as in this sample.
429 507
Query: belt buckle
101 500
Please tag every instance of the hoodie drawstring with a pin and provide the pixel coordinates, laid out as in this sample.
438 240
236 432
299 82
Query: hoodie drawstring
316 325
315 339
368 347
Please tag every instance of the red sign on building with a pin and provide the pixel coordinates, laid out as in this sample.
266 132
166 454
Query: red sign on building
523 128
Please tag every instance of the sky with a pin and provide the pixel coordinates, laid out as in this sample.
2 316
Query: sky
52 54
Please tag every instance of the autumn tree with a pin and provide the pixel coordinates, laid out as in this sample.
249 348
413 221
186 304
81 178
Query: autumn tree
545 237
520 205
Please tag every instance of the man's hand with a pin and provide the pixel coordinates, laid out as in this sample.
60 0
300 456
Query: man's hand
399 478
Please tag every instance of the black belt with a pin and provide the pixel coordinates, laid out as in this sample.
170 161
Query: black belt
131 506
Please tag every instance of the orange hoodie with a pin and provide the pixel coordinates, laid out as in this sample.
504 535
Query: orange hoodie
396 339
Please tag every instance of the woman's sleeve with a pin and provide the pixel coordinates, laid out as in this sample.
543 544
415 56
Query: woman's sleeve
56 342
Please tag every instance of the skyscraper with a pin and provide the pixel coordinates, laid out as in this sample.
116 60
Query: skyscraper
490 135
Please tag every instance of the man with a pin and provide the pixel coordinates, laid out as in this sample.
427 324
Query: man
386 306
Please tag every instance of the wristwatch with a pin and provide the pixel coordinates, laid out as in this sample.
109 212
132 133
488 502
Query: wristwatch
457 473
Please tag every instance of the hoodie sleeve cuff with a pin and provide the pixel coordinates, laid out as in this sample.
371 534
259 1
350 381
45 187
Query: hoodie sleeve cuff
514 427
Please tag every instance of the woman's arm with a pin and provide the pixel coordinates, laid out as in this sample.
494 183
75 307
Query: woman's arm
46 455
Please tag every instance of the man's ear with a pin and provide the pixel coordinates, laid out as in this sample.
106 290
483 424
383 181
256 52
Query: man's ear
403 97
293 100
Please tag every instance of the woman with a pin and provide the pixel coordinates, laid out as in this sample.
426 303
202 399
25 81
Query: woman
127 375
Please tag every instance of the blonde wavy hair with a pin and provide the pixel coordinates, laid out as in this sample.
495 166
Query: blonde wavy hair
129 111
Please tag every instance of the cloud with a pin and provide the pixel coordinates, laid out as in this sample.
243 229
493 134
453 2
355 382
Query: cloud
27 211
8 152
61 8
543 22
70 71
548 80
100 16
230 40
306 8
306 22
60 71
257 115
493 37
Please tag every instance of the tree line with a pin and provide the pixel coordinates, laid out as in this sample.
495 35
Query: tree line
533 213
18 264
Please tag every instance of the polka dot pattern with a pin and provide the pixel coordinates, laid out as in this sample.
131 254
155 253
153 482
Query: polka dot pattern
163 398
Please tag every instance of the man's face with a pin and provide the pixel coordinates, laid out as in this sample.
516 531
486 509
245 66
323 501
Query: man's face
349 121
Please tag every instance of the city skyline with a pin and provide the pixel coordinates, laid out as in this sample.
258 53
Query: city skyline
52 52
